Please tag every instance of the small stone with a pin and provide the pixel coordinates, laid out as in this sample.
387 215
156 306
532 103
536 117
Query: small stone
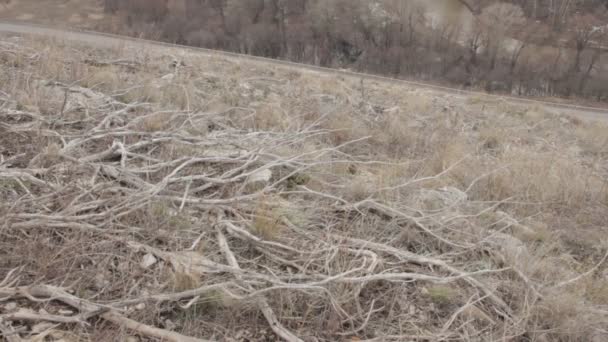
262 176
148 261
140 306
509 245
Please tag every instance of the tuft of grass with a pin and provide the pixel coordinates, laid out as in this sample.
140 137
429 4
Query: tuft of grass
597 291
297 180
593 138
180 95
344 128
267 219
418 103
443 295
535 115
360 186
106 80
48 156
492 139
155 122
142 93
184 281
480 100
160 215
447 152
536 233
269 118
395 135
561 314
9 185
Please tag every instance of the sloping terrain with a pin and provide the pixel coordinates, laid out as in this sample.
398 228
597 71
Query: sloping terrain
147 196
536 49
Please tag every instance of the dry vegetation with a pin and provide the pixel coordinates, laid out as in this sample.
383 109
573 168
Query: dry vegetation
226 200
73 13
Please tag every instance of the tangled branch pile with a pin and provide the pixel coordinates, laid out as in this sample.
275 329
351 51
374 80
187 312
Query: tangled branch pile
281 205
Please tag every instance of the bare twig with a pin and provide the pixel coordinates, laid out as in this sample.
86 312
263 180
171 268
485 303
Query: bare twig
53 293
269 314
586 274
24 315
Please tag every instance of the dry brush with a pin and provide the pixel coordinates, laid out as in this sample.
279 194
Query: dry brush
275 204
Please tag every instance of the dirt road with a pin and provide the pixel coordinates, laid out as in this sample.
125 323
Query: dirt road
107 40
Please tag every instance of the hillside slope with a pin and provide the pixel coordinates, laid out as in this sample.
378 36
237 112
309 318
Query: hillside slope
160 196
527 48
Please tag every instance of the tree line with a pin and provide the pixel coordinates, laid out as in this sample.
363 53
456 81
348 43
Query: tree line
525 47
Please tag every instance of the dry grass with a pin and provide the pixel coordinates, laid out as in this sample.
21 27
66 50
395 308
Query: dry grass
208 200
267 222
105 80
593 139
155 122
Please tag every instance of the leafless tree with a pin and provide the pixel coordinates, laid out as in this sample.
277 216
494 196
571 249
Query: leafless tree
461 40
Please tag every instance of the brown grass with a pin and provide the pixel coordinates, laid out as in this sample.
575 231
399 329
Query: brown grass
106 80
156 122
267 219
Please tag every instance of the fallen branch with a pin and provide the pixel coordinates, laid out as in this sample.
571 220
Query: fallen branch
45 292
131 65
8 332
263 305
26 315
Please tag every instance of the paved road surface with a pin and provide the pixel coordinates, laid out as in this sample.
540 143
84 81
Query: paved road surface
107 40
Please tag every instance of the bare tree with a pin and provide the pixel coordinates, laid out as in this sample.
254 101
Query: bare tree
470 5
498 21
473 6
584 29
481 39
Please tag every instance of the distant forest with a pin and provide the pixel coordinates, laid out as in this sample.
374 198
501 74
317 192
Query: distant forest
522 47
